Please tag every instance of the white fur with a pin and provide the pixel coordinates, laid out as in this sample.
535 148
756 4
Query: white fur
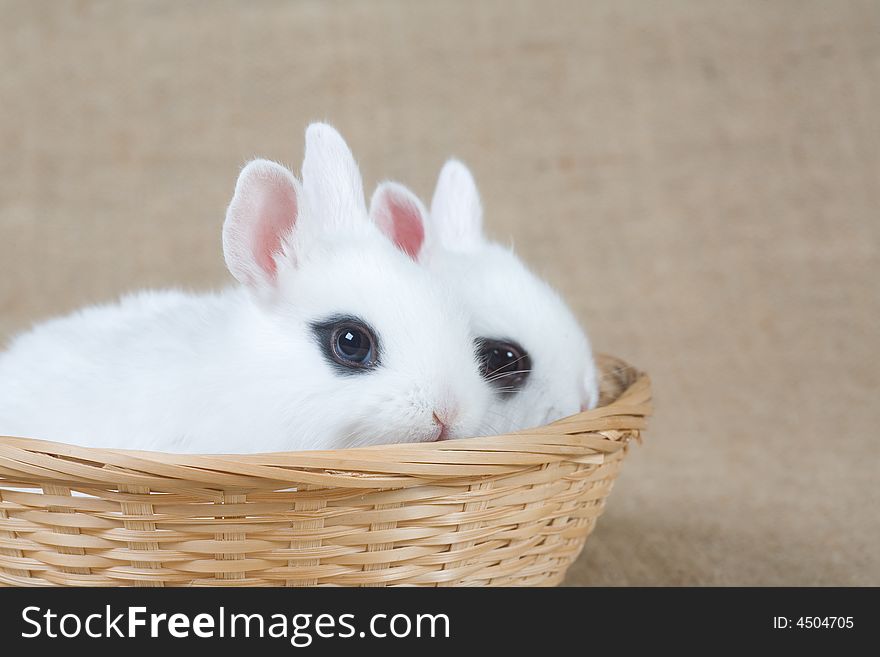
401 215
507 301
266 193
456 211
241 370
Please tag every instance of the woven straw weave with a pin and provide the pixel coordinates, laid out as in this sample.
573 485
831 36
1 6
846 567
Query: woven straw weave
504 510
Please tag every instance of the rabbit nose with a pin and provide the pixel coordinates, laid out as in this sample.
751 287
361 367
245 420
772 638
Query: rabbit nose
590 403
442 420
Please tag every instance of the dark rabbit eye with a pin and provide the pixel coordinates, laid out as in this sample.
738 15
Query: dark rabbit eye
348 343
504 364
353 344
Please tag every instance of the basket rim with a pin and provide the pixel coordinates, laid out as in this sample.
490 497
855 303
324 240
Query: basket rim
586 435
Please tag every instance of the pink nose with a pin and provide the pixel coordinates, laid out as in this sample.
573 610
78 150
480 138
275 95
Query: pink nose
443 426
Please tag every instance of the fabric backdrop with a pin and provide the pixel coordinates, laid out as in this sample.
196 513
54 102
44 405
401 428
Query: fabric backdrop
700 179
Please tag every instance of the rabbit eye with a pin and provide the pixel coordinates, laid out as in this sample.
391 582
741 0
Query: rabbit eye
348 343
353 344
504 364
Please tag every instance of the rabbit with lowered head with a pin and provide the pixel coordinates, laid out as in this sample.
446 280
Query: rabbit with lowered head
333 338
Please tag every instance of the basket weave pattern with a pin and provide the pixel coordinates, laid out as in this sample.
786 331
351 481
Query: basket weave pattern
499 511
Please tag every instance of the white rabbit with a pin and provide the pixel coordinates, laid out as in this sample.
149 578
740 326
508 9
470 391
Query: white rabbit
333 338
533 352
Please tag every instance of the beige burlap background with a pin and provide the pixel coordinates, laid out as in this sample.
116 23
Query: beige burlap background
700 179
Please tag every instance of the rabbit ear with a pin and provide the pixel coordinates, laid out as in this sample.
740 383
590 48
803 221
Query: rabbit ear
331 180
401 216
260 217
456 212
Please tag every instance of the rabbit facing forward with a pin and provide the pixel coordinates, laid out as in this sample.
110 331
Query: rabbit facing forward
533 353
334 337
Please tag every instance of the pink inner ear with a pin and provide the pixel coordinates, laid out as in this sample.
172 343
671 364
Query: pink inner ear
405 226
277 211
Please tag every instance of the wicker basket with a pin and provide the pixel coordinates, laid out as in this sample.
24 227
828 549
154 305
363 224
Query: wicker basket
499 511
